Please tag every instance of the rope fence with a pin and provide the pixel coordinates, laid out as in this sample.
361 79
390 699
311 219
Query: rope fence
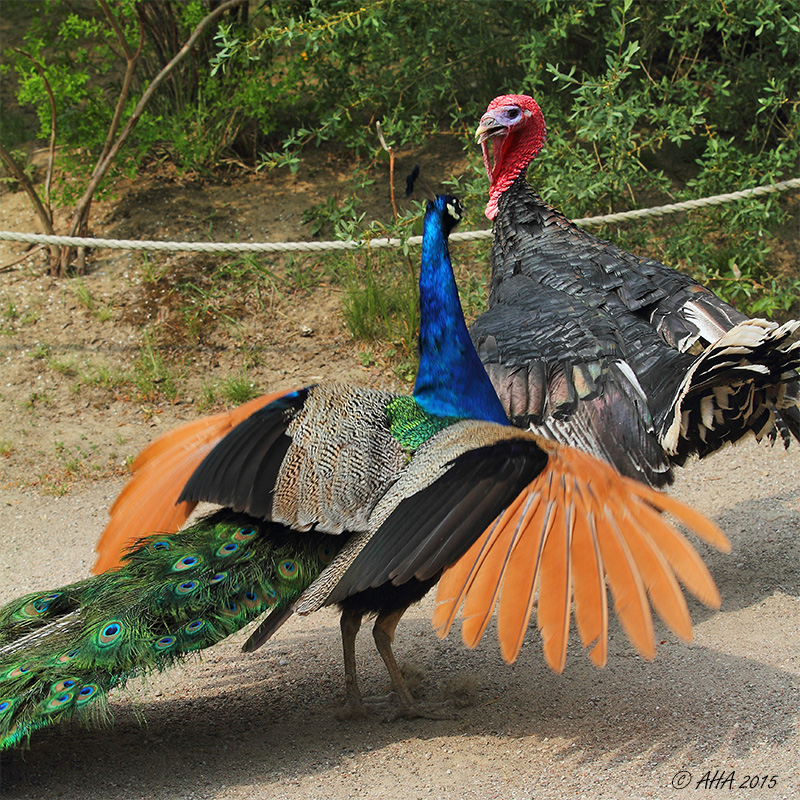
316 247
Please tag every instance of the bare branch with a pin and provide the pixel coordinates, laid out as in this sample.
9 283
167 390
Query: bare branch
391 167
19 174
131 57
8 267
45 217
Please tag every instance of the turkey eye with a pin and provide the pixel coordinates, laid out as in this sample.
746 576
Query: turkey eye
513 113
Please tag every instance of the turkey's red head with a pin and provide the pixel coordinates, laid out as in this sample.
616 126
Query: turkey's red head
515 125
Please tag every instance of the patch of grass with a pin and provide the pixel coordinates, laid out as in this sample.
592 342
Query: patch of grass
10 311
8 316
152 270
381 299
366 358
327 217
70 464
208 396
193 299
472 291
30 317
52 487
6 448
151 375
83 294
37 398
12 316
65 368
41 351
303 274
100 376
77 461
406 370
199 306
238 389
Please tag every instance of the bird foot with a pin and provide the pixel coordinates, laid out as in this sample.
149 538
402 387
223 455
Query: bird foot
351 710
357 707
360 708
422 711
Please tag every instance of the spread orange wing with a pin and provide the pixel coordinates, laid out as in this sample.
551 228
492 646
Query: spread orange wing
148 501
575 529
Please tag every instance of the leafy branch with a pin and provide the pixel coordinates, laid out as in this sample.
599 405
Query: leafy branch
117 134
80 216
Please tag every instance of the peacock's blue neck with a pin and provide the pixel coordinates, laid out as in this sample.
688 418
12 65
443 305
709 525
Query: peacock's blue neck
451 381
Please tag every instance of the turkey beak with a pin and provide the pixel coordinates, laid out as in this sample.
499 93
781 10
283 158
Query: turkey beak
489 127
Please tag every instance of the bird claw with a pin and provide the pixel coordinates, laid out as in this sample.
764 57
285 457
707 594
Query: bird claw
357 707
420 711
361 708
351 710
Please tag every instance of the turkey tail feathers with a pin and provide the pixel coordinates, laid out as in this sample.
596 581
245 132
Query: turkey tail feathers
745 381
576 528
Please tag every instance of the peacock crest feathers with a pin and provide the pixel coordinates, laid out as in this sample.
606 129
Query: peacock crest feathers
173 595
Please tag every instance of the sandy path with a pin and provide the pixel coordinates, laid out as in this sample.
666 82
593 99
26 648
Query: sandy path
261 726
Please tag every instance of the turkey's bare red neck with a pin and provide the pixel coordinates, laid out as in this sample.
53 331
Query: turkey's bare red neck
513 151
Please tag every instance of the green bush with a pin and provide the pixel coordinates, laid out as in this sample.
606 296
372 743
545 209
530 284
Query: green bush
645 102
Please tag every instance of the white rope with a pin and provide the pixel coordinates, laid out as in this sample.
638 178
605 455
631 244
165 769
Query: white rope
690 205
317 247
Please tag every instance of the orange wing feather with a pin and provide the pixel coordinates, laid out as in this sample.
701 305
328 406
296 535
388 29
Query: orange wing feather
555 582
456 581
523 575
484 588
625 581
581 527
682 557
588 583
659 580
148 502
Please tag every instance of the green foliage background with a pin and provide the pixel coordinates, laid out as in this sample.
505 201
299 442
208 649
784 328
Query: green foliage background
645 102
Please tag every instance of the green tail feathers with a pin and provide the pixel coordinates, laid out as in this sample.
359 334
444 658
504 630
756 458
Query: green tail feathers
62 650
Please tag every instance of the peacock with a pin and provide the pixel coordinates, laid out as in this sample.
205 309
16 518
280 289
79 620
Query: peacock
335 494
604 350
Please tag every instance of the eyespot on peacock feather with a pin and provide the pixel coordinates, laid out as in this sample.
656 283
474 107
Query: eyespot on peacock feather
64 649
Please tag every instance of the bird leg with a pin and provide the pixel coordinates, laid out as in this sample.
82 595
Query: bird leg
383 633
353 708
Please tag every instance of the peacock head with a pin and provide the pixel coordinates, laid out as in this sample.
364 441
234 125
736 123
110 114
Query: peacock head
450 210
515 126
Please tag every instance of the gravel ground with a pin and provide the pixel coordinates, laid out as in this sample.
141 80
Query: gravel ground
262 726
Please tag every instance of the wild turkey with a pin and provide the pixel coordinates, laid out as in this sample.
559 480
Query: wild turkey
339 494
617 354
